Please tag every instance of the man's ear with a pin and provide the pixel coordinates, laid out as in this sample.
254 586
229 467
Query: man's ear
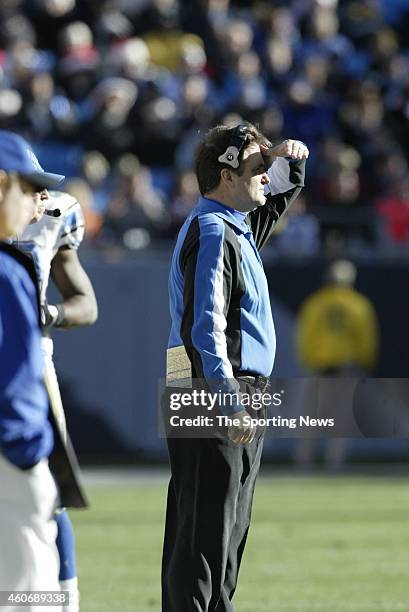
226 176
3 183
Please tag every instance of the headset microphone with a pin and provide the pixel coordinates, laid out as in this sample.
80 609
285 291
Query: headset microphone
53 213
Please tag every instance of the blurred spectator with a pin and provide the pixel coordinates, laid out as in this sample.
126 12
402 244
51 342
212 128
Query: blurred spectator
194 96
50 16
359 19
185 197
112 26
192 56
362 114
304 114
317 68
300 235
135 203
21 56
340 201
191 63
160 25
271 122
158 131
236 38
190 138
253 94
56 8
79 59
81 191
109 129
279 60
233 38
323 35
218 12
339 183
280 24
159 16
337 336
96 171
10 105
131 59
337 329
39 119
393 209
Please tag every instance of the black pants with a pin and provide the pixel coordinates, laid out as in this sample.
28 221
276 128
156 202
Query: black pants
208 514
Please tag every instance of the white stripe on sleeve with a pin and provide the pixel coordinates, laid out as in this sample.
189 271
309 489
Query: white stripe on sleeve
219 320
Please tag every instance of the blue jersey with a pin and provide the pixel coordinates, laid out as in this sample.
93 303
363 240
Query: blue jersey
26 435
219 298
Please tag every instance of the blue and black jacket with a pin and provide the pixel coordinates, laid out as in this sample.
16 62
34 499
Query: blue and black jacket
219 298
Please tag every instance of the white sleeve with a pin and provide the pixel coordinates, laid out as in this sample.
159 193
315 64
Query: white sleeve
279 174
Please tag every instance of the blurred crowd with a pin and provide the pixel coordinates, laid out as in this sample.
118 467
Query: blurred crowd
116 94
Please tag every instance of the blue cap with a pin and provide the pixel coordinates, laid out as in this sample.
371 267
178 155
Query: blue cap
16 155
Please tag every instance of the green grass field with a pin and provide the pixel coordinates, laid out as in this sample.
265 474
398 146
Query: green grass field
336 543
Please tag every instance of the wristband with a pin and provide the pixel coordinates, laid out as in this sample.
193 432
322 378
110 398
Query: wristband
52 315
59 321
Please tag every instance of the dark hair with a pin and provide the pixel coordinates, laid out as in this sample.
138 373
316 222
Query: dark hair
214 144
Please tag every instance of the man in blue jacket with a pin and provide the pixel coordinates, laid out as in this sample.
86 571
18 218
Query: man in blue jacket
28 492
222 333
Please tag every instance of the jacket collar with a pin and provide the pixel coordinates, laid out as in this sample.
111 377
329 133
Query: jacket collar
231 215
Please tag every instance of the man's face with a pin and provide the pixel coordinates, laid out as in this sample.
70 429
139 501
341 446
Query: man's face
17 205
39 200
249 187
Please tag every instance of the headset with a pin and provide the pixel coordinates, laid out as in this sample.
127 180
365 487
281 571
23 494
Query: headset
53 213
236 144
237 141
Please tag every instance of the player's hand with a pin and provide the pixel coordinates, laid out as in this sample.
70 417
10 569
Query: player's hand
295 149
243 433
